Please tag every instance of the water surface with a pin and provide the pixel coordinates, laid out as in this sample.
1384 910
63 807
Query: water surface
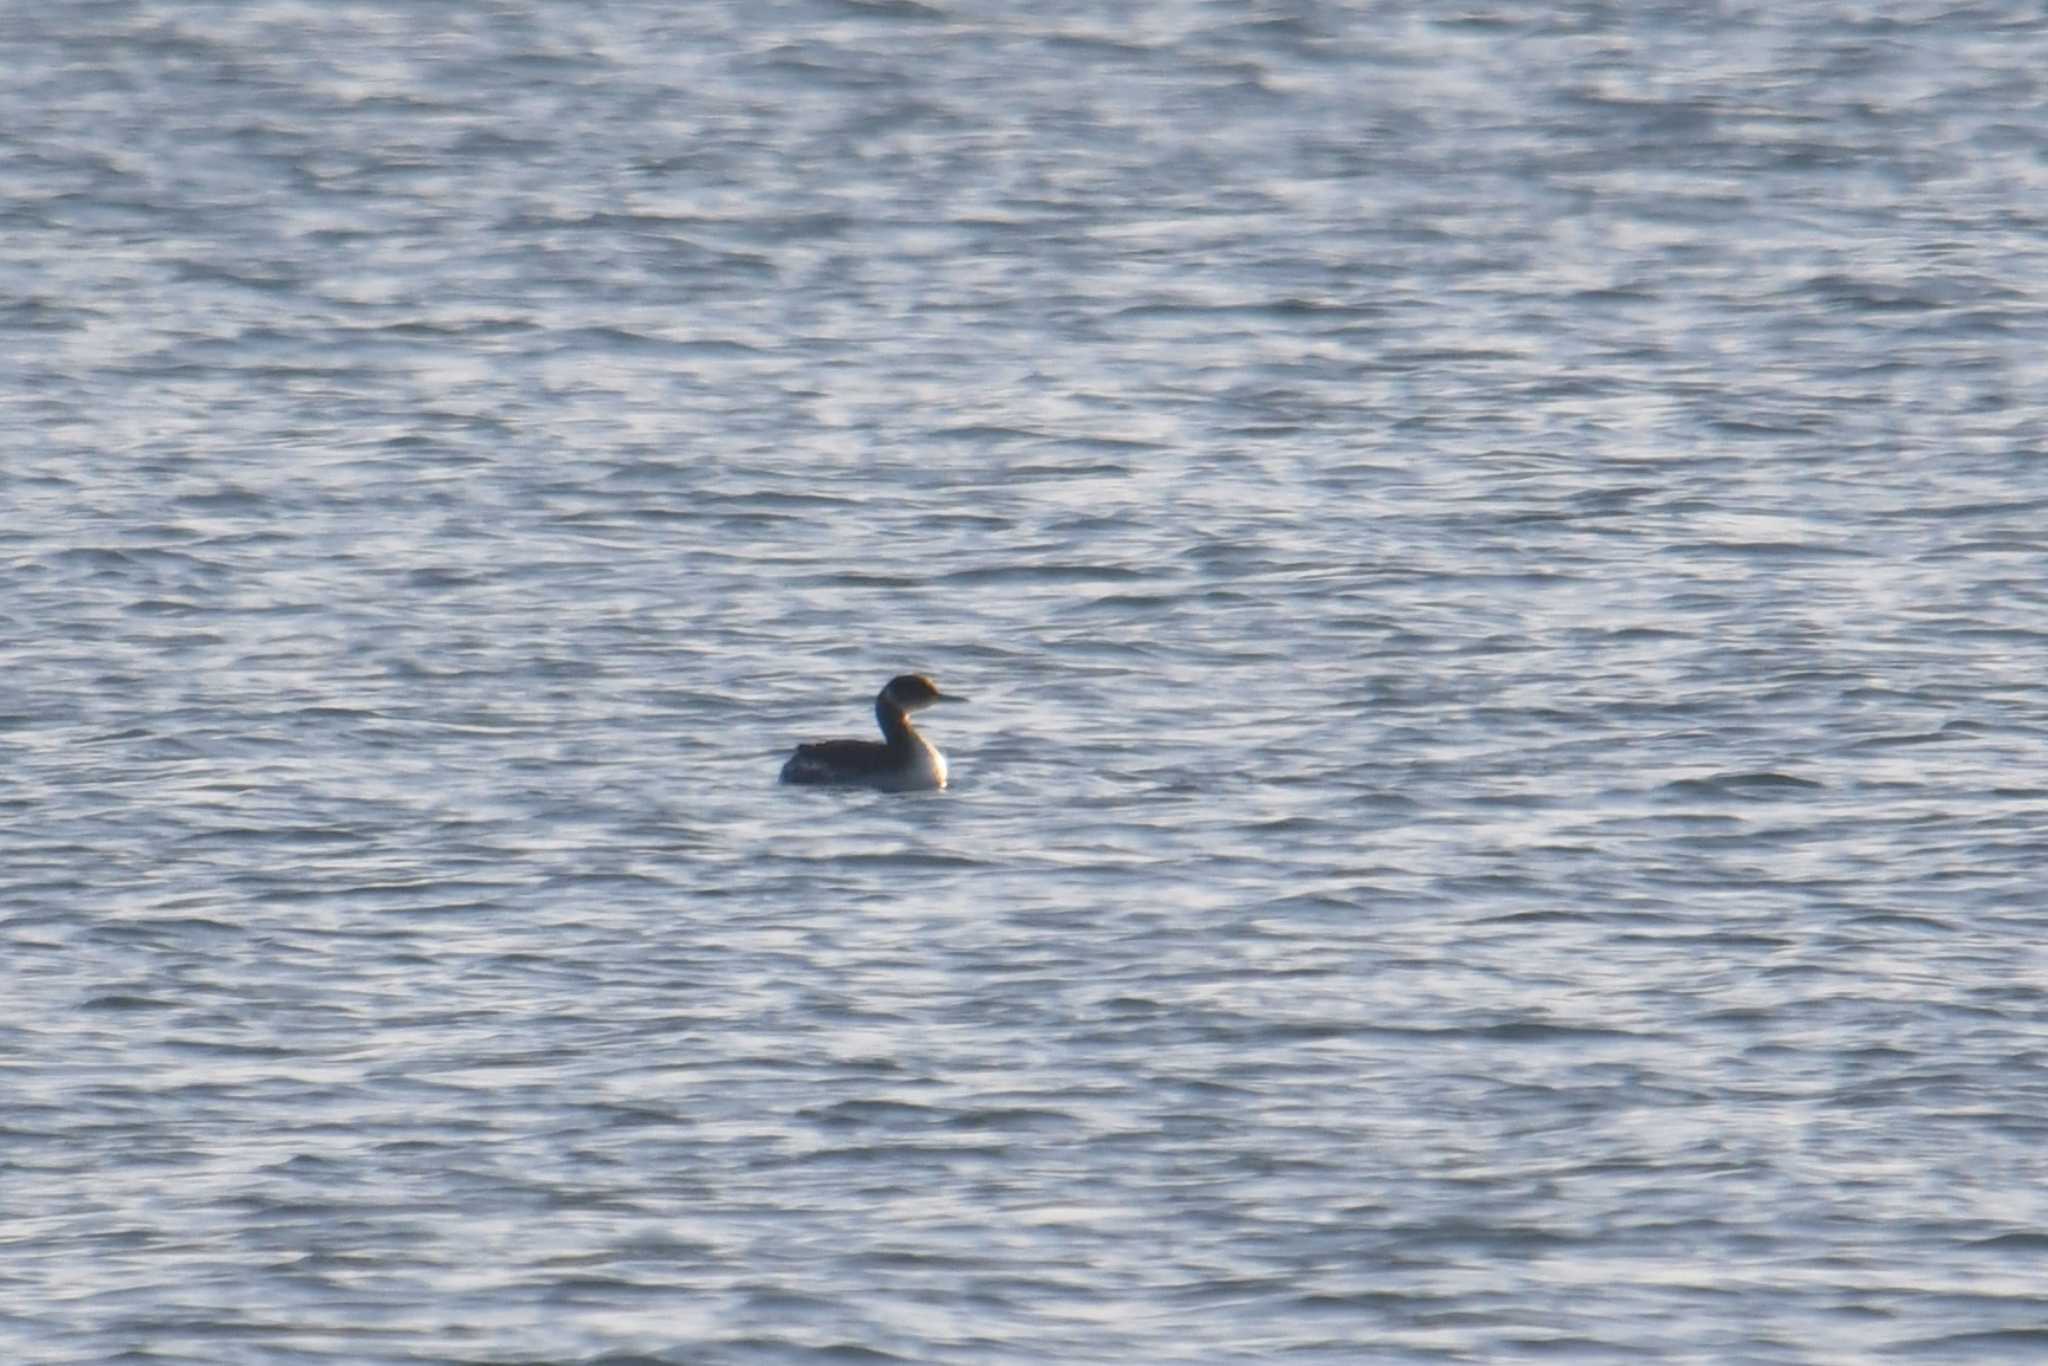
1498 556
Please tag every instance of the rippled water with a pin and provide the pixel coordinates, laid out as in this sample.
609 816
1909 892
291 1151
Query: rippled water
1499 558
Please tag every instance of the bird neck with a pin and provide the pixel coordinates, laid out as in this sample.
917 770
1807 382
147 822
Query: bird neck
895 723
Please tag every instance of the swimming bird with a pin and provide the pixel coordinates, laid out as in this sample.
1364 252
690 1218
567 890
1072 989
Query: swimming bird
904 762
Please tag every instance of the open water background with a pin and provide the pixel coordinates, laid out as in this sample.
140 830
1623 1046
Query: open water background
1499 555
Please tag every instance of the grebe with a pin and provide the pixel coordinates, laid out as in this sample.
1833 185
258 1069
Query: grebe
907 762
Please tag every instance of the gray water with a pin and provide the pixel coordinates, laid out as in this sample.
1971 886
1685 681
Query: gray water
1498 554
